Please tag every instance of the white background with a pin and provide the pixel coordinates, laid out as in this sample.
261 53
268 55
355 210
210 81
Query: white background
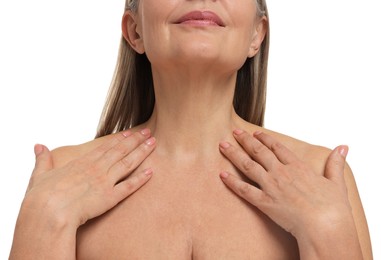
57 59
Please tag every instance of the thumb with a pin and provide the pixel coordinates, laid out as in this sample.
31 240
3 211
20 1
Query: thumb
334 167
44 161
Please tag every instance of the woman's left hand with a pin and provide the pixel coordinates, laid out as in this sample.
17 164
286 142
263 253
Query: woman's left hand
298 199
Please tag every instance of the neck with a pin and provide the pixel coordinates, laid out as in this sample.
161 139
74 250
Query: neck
192 116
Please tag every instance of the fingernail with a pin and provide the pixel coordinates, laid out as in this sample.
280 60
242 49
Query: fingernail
224 175
148 172
145 131
150 141
343 151
38 149
127 133
238 131
224 145
257 133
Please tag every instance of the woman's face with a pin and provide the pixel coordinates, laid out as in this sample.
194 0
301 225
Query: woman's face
182 32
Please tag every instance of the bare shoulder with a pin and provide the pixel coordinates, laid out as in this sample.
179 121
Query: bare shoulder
315 155
65 154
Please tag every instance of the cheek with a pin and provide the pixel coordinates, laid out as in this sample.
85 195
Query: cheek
153 27
155 40
240 40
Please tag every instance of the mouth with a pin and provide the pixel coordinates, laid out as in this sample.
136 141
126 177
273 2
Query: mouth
201 18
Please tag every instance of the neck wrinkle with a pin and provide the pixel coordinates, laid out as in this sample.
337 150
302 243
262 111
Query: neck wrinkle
191 119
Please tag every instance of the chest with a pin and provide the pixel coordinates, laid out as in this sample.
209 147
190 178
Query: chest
184 217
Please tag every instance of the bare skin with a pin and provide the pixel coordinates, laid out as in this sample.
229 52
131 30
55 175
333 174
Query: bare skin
185 211
191 192
60 199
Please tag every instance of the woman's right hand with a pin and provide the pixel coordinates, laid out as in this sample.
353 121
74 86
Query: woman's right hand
90 185
59 200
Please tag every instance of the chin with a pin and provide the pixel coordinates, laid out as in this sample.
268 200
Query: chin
197 53
200 51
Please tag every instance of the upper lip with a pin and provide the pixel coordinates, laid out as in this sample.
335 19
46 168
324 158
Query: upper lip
201 15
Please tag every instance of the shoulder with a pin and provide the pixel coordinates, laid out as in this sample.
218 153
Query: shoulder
314 155
65 154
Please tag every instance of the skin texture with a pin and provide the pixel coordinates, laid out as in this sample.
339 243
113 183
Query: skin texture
99 201
101 237
81 190
286 187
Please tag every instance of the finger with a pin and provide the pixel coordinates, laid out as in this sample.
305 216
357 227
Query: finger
106 146
125 188
121 149
243 162
334 167
283 154
129 163
246 191
44 161
259 152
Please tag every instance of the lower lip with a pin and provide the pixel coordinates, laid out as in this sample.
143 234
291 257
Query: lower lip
200 23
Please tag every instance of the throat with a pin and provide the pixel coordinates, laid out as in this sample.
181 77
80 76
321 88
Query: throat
192 134
192 115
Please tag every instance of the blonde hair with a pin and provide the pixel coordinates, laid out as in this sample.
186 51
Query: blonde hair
131 97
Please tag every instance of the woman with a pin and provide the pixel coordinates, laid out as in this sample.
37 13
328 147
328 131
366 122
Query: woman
188 180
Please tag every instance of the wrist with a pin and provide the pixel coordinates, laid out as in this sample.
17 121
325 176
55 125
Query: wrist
42 236
49 212
330 236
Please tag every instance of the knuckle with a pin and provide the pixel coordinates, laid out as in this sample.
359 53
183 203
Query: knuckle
244 189
248 165
276 147
122 149
275 186
127 164
246 138
129 186
257 148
